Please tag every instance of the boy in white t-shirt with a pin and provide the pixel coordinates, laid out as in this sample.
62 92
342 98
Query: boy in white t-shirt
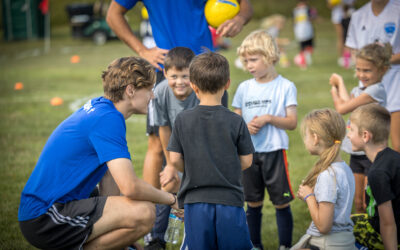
268 105
379 21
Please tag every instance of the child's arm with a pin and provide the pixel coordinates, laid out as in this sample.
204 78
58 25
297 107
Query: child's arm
395 59
176 160
321 213
342 101
344 107
251 126
387 225
337 81
168 177
246 160
289 122
238 111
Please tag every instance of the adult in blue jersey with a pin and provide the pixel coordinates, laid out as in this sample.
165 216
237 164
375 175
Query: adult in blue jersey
174 23
56 209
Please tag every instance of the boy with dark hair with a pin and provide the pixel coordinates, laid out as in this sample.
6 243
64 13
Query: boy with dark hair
56 210
211 146
172 96
369 132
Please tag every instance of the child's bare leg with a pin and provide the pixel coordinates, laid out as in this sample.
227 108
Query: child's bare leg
339 39
153 161
359 193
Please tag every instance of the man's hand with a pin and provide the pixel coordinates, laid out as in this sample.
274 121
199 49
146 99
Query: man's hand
231 27
154 56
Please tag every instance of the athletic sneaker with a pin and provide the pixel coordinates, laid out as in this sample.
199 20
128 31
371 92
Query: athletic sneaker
155 244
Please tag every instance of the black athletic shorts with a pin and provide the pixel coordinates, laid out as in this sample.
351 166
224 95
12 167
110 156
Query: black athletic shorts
268 170
306 44
150 128
360 164
64 226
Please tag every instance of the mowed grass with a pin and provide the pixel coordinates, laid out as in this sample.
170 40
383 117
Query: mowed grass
27 118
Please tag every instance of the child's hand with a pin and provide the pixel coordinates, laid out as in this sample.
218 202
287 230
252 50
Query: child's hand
254 126
335 80
179 213
334 91
303 191
168 175
262 120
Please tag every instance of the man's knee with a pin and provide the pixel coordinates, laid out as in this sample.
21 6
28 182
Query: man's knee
147 211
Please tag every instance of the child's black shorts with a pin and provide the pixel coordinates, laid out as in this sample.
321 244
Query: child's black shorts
64 226
306 44
268 170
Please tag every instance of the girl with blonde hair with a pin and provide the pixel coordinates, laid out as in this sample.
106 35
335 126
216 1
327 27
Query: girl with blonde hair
328 189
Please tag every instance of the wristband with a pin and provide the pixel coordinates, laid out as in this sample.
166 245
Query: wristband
308 195
174 200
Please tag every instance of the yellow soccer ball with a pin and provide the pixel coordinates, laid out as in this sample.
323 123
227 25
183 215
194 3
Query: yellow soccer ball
218 11
334 2
145 14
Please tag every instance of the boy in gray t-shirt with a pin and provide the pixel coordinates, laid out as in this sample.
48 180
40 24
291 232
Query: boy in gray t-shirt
171 96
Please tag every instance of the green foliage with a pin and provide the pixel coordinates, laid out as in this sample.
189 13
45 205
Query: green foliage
27 118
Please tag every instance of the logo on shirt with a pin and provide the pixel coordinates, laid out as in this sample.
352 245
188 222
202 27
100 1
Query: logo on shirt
88 107
390 28
372 202
257 103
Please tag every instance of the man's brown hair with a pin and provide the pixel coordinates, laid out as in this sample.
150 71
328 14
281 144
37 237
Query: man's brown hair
178 58
209 72
375 119
125 71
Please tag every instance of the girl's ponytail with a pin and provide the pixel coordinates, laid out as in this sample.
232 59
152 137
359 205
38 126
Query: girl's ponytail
330 128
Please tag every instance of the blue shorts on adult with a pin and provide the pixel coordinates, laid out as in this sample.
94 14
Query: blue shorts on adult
214 226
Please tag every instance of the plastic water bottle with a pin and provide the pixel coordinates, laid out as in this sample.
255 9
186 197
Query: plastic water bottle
174 228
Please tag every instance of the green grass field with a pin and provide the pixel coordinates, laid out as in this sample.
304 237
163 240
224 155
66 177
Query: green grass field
27 118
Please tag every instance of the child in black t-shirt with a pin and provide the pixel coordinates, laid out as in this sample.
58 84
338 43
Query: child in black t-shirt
369 131
211 146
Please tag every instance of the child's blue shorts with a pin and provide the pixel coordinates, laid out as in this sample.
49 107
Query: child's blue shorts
214 226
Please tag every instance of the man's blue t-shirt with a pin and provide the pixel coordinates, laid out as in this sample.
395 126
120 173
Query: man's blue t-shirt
177 23
74 158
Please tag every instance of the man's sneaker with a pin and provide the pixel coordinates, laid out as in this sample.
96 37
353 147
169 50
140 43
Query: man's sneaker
155 244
